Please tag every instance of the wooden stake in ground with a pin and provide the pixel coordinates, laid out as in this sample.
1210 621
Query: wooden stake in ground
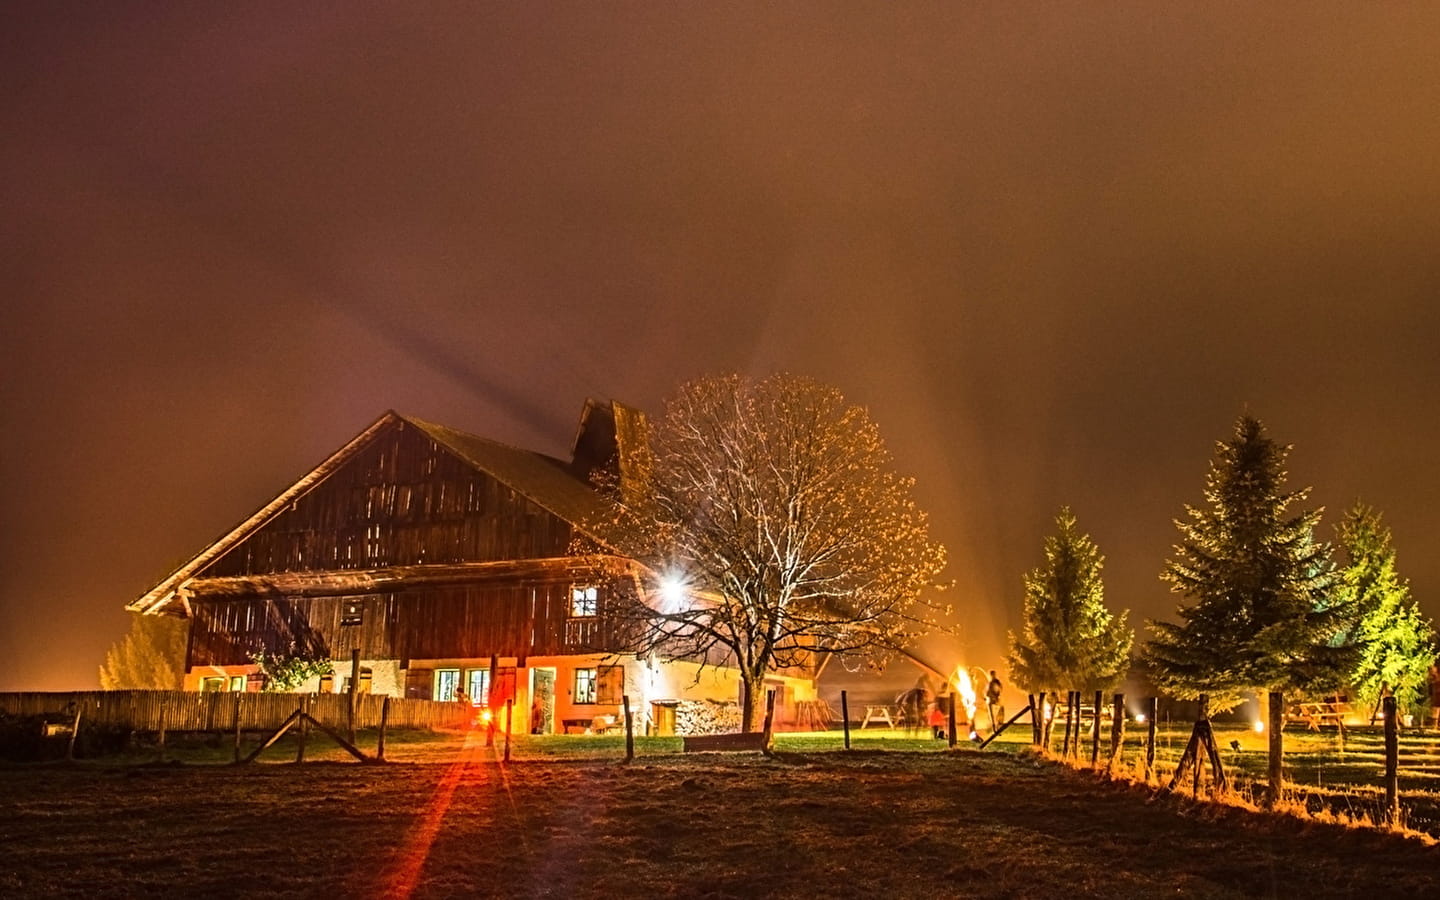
510 717
1392 762
951 712
1117 731
1095 730
1202 740
845 717
354 690
304 728
629 728
74 732
1152 713
1069 718
384 723
238 695
1035 716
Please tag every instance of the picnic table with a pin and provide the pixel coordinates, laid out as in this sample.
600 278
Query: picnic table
877 712
1326 713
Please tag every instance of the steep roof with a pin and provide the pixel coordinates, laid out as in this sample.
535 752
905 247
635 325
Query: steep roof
544 480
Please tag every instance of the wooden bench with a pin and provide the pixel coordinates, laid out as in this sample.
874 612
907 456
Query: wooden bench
739 741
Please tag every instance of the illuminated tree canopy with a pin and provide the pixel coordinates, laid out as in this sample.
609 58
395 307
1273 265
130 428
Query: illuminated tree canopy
1396 641
151 656
1265 609
1070 640
774 501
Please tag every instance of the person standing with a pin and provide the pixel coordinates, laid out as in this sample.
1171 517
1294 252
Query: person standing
992 700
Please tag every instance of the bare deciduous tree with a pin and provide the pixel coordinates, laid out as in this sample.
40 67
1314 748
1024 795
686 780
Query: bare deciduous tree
773 502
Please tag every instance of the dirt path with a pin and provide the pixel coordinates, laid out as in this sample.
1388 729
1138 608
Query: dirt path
860 824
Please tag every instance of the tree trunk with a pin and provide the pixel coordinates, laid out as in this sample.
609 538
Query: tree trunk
754 698
1276 726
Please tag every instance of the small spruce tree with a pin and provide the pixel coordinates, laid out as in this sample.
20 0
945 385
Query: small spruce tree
1395 640
1070 640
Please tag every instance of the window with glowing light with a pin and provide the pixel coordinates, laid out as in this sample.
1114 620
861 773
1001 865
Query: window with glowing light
446 681
584 601
477 685
585 682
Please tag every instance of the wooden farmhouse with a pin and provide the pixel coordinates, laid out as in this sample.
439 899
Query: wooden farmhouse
449 561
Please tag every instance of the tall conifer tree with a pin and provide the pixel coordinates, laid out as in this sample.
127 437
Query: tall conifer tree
1396 641
1070 640
1264 609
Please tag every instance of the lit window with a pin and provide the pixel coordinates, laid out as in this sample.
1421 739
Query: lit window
477 685
446 681
237 682
584 685
217 683
584 601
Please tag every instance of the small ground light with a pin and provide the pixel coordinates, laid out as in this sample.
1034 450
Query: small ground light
1140 718
1259 727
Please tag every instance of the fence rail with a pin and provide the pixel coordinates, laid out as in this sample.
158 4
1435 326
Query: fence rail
217 711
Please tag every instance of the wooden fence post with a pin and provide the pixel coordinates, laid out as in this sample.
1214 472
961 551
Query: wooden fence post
1095 729
509 717
1152 712
384 723
845 717
1035 719
1117 729
954 699
1065 741
1392 762
238 695
354 689
629 728
1202 717
304 728
74 731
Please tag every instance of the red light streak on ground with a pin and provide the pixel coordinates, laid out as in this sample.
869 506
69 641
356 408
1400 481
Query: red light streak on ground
404 872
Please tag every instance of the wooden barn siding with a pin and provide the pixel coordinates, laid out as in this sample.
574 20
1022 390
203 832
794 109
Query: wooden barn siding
215 711
466 622
404 500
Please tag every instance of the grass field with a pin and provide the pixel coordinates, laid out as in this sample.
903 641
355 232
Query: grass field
865 823
567 818
1325 770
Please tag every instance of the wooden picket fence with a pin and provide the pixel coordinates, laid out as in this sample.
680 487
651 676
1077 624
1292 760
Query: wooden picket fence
152 711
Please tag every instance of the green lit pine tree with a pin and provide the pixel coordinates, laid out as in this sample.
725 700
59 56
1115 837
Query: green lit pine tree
1265 610
1395 640
1070 640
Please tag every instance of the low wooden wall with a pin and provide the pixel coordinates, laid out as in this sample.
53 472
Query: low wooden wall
216 711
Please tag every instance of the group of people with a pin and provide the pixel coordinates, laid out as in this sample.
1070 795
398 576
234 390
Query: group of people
921 704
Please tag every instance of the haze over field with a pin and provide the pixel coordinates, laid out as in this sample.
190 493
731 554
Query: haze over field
1056 255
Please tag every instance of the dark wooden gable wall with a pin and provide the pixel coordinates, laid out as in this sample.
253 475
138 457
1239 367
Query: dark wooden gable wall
403 500
523 618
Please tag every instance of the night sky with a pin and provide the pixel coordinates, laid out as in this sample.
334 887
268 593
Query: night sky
1055 249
